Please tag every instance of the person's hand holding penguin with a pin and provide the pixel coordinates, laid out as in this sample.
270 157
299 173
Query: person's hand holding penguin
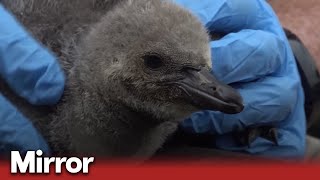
254 57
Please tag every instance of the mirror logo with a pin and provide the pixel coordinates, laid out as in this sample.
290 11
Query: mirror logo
34 163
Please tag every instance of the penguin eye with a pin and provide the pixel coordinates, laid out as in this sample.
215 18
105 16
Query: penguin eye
152 61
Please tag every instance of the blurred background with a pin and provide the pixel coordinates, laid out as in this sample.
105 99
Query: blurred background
302 17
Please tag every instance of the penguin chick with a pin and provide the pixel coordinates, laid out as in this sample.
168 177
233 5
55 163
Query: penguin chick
135 70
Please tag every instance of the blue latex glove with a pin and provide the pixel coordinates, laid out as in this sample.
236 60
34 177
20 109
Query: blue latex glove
34 74
256 58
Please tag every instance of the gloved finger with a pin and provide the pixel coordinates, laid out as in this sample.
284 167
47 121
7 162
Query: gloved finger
275 102
227 16
224 15
247 55
267 101
17 132
29 69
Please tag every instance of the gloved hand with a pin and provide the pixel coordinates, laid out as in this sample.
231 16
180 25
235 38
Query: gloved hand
256 59
34 74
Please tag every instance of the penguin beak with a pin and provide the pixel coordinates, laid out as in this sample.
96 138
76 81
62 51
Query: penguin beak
203 90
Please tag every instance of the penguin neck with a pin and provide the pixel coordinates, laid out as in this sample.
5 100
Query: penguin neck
102 127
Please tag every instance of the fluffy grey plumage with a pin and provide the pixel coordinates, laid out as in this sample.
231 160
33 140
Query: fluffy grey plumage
114 105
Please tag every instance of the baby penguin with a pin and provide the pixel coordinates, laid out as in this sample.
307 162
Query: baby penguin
135 70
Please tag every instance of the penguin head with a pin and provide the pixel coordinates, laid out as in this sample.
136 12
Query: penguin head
154 57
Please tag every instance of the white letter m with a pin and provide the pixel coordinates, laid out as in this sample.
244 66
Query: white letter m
16 161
